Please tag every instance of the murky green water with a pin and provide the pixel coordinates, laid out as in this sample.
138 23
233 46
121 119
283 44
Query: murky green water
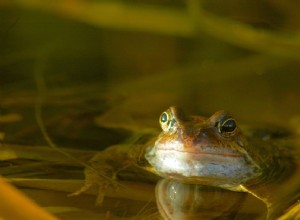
107 81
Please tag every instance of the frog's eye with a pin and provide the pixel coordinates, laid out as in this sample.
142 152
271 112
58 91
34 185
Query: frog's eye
164 118
166 121
227 127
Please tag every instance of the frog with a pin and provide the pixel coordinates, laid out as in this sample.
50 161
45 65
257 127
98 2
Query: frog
212 151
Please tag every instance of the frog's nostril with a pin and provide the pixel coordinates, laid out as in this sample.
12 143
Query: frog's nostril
201 135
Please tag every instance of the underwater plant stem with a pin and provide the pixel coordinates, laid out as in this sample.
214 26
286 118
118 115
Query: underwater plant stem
15 205
187 23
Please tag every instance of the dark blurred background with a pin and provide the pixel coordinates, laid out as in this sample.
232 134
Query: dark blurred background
111 67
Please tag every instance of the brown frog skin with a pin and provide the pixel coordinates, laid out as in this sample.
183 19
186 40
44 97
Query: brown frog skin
210 151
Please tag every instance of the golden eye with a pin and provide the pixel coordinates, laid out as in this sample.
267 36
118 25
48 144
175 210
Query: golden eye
164 117
165 121
227 127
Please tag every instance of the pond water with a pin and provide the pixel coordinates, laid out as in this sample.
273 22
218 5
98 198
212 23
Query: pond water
98 74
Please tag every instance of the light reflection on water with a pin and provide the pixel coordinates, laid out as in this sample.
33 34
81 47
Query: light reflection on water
177 200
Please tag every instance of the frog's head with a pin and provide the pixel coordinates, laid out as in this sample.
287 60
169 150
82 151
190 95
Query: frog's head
202 150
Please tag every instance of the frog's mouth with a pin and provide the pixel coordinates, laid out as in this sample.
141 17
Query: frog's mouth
201 149
196 152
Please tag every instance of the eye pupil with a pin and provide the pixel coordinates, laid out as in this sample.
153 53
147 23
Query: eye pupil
228 126
164 117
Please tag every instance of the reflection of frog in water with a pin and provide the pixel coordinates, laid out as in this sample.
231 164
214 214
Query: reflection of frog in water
210 151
